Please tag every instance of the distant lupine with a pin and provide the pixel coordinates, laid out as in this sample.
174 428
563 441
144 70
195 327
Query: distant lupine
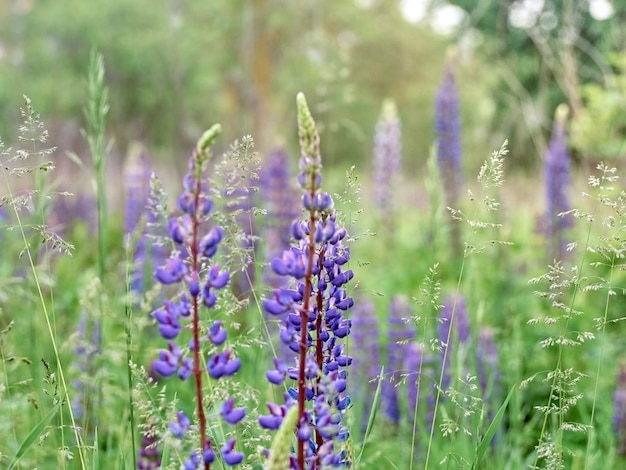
281 200
448 130
365 348
619 411
315 326
387 157
400 333
420 379
282 203
137 174
86 350
487 363
190 233
451 336
557 184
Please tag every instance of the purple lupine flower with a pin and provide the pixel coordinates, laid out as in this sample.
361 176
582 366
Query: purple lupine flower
557 184
387 156
400 333
314 309
149 455
197 243
454 331
448 131
619 411
229 455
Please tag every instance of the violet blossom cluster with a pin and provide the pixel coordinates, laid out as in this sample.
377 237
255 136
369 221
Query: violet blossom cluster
200 278
314 303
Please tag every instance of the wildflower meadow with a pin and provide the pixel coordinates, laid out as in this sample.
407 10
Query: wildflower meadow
271 244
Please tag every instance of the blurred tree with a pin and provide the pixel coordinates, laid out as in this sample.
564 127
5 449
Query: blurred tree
542 53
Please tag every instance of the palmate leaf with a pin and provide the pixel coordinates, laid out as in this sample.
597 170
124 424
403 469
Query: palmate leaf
34 434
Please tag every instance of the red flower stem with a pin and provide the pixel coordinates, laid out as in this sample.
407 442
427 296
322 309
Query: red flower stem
197 371
304 315
319 352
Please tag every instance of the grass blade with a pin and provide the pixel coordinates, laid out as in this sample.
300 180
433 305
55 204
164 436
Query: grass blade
372 417
34 434
484 444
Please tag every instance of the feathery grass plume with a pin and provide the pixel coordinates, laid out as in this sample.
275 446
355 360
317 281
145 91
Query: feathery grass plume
387 158
137 179
315 325
557 216
28 209
619 411
448 131
233 184
365 350
199 277
241 195
400 333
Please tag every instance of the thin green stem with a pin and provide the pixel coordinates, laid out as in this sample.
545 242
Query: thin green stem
48 320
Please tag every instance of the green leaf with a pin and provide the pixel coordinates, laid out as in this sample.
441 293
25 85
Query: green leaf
34 434
484 444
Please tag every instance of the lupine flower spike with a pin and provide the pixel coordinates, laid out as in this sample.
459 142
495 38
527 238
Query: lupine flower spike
199 278
557 184
315 325
448 130
387 158
400 333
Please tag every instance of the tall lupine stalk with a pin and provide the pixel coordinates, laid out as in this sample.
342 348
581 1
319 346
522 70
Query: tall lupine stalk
315 317
189 233
448 131
400 333
387 158
557 184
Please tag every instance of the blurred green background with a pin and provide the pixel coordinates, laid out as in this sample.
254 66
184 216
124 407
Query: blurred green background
174 67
